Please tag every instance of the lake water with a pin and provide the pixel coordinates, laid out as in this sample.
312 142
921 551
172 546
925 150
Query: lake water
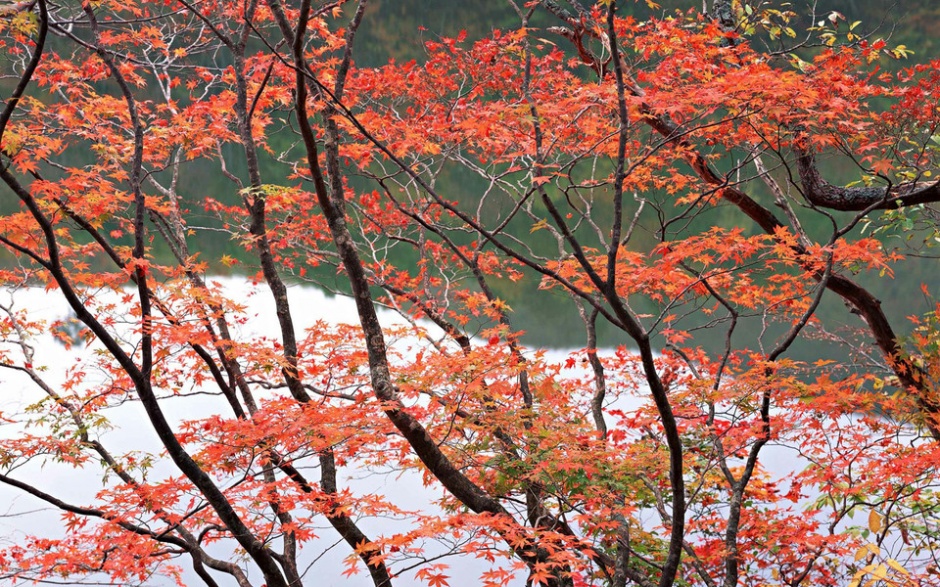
24 514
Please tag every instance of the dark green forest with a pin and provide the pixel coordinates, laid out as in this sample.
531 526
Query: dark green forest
394 27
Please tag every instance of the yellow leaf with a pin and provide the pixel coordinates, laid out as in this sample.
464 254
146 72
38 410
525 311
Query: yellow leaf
538 225
875 521
859 575
897 566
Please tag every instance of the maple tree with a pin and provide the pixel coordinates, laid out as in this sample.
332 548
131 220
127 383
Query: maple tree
662 177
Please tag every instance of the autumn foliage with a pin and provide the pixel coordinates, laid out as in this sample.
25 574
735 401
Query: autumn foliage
660 181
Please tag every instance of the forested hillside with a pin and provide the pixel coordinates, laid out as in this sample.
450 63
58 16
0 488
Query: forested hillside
398 27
